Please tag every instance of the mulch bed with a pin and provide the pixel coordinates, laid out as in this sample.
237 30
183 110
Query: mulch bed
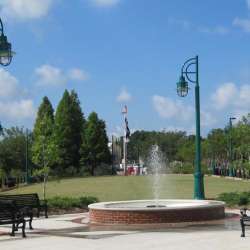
54 211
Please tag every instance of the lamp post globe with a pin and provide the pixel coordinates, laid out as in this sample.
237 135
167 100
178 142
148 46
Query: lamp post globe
182 87
6 52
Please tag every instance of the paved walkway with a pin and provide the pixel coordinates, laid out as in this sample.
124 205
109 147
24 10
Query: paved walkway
59 233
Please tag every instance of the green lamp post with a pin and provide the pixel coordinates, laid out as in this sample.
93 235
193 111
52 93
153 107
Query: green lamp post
6 52
231 146
191 67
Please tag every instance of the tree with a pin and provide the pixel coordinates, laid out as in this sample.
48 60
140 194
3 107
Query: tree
2 177
43 135
77 127
141 142
186 151
94 149
241 139
13 151
69 122
218 144
44 173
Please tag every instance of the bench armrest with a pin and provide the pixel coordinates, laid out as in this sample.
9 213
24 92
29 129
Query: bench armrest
43 207
243 212
43 202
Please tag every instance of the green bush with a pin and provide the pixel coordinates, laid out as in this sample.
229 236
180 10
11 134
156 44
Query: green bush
235 198
188 168
67 203
185 168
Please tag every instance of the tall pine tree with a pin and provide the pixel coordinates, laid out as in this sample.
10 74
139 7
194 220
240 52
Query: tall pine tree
43 134
69 122
94 149
77 126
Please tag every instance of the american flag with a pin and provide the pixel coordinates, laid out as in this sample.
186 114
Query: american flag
125 110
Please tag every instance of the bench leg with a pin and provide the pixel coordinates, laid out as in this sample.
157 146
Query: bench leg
30 222
23 229
13 230
16 227
46 211
242 228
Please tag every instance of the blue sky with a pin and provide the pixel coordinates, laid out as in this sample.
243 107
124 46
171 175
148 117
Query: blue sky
116 52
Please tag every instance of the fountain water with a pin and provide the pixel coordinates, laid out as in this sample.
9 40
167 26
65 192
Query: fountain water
156 164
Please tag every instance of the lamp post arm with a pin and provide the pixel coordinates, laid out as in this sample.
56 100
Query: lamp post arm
185 69
191 60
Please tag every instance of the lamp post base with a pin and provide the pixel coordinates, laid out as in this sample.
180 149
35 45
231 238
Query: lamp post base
199 186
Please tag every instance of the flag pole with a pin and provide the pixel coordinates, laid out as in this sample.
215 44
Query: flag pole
124 112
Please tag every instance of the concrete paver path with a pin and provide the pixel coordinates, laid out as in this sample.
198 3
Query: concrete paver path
60 233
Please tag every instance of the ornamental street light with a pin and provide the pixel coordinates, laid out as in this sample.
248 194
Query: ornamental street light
231 146
6 53
191 67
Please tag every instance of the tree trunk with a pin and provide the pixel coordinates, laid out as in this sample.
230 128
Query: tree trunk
3 186
92 170
44 187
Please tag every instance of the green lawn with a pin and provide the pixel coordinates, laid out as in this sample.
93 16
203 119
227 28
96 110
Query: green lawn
135 187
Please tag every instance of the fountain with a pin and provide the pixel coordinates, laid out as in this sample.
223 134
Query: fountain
156 210
155 164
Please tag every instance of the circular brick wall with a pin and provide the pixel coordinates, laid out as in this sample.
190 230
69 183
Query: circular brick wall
108 215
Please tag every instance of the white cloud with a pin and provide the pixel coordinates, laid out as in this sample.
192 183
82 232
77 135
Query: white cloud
17 110
13 104
178 111
25 9
244 96
244 24
50 75
8 84
105 3
167 108
124 96
229 95
78 75
224 95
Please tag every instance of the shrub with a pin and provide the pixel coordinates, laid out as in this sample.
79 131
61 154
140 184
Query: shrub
235 198
103 169
67 203
244 198
185 168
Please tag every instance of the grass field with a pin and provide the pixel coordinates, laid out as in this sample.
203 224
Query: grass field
134 187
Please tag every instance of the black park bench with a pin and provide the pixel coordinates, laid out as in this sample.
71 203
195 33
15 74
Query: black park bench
244 220
29 204
11 215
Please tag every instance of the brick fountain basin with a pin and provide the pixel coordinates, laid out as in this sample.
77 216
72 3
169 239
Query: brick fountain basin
150 212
